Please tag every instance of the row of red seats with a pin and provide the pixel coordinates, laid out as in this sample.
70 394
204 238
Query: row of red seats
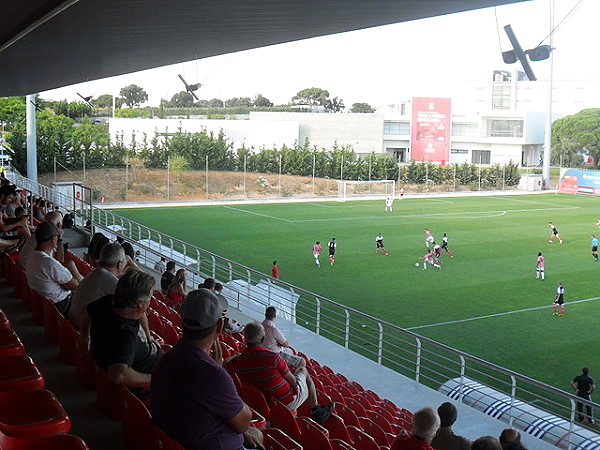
72 351
31 417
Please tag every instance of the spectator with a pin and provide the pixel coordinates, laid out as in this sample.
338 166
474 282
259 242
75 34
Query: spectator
160 266
275 270
270 374
275 341
509 436
96 243
446 439
176 290
229 325
117 344
68 221
193 399
208 283
88 225
100 282
486 443
222 300
45 274
130 254
167 277
53 217
425 425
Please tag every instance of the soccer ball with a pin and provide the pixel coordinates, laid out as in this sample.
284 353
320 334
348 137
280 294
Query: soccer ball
417 264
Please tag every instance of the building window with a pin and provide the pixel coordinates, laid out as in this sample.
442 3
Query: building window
455 151
396 127
465 129
505 128
481 156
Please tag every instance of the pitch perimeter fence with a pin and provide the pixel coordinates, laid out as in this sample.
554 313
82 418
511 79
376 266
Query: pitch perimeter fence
424 360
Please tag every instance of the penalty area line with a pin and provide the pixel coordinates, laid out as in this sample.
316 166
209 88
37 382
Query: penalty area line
259 214
450 322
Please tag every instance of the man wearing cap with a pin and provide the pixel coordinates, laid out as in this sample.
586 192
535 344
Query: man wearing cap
117 344
446 439
45 274
192 398
270 373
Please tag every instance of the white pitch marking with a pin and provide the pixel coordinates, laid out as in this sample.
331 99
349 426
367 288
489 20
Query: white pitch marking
322 206
450 322
259 214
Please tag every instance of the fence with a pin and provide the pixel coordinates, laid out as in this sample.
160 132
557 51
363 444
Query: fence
424 360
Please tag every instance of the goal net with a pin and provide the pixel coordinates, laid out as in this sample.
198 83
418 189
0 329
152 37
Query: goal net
375 188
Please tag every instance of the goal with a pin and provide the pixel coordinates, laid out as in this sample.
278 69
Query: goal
374 188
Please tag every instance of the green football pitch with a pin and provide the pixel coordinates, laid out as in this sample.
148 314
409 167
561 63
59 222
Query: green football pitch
485 301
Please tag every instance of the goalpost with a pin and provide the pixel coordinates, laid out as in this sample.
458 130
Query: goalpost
374 188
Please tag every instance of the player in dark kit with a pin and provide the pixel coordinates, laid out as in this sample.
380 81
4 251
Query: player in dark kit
559 300
554 234
379 244
445 245
332 246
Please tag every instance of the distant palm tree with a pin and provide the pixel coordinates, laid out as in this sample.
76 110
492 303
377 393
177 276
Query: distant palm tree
335 105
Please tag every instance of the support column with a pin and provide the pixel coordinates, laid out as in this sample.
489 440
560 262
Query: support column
31 138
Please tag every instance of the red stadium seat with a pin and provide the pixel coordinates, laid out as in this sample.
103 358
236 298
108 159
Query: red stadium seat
18 373
314 436
358 407
275 439
10 344
285 420
337 428
109 396
68 339
4 322
38 305
86 367
338 444
56 442
348 414
376 432
257 421
162 441
51 316
32 413
335 395
362 441
137 423
254 398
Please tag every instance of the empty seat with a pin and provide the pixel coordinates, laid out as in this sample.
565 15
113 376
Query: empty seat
32 413
56 442
86 367
4 322
348 414
314 436
51 316
337 428
137 423
10 344
275 439
68 338
254 398
284 419
362 441
162 441
109 396
380 436
18 373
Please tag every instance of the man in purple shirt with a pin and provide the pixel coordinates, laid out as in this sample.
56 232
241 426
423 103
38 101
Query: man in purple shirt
193 399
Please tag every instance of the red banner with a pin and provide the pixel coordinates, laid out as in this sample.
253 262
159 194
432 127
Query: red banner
430 134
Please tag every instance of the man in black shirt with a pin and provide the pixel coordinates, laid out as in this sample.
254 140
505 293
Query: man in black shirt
167 277
584 386
117 344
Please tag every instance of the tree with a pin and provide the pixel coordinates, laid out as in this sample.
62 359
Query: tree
334 105
182 99
244 102
215 103
577 136
103 101
262 102
133 95
311 96
178 164
363 108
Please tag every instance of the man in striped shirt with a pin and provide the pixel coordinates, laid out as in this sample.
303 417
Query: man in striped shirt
271 375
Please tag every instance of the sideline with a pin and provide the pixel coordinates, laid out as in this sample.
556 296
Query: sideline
258 214
450 322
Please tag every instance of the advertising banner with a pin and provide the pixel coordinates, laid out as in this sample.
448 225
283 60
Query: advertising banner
580 182
430 134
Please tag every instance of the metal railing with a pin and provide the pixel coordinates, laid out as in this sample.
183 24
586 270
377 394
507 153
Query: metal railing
426 361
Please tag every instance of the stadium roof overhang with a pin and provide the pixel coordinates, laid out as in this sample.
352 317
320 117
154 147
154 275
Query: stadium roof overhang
46 44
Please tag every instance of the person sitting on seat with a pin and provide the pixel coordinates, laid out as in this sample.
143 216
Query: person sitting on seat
271 375
176 290
425 425
117 344
486 443
446 439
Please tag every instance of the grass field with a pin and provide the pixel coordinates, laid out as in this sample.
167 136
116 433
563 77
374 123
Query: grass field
491 279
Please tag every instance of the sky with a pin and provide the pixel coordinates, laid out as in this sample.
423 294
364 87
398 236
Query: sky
444 56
